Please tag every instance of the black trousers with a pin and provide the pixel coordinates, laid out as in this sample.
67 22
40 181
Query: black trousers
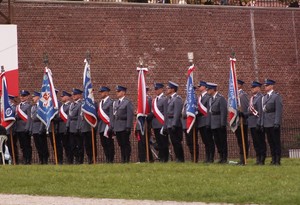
88 145
273 136
16 150
25 144
176 136
64 139
238 135
163 145
40 141
124 143
259 142
189 138
208 141
77 152
142 152
220 138
59 146
108 147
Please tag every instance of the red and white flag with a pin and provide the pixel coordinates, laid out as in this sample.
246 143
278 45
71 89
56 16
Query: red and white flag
142 99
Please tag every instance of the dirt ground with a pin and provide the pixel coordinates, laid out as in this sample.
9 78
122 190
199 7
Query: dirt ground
11 199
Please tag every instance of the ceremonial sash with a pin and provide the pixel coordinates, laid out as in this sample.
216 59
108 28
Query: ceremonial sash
104 117
62 114
159 116
201 107
21 113
252 109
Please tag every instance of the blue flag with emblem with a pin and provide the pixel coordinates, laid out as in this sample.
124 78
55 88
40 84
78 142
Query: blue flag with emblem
88 106
191 106
7 112
233 100
47 104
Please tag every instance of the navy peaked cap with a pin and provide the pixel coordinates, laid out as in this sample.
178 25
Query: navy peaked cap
36 94
103 89
211 85
158 86
76 91
172 85
121 88
65 93
255 84
202 83
240 82
24 93
269 82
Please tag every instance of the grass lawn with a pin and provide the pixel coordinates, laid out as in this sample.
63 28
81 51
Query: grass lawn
171 181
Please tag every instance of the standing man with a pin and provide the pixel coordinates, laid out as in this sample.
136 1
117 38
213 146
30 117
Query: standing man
74 126
106 133
173 117
159 111
36 126
243 115
122 120
255 112
63 132
23 121
203 123
271 120
217 120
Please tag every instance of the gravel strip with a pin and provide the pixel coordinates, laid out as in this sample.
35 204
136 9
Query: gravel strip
12 199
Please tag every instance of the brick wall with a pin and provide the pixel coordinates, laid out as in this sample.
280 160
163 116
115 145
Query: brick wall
266 43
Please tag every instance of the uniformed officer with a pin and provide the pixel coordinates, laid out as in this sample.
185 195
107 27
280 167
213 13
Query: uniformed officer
23 120
74 125
142 152
217 120
106 134
173 117
243 115
11 130
122 120
40 138
255 111
271 119
63 132
158 113
203 123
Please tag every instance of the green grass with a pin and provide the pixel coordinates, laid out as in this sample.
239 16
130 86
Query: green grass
156 181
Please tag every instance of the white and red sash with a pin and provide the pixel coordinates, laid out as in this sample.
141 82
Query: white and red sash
159 116
21 113
201 107
62 114
104 117
252 109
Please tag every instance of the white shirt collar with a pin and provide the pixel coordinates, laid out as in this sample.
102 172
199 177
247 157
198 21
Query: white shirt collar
122 98
215 95
160 95
104 100
270 92
202 94
173 95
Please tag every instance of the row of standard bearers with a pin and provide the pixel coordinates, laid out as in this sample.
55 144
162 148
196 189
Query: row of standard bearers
166 116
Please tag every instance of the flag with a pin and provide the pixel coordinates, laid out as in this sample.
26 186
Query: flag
191 106
88 105
47 104
142 99
233 103
7 112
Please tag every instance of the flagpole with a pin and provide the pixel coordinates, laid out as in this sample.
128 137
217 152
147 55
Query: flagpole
12 146
88 59
147 143
241 119
54 143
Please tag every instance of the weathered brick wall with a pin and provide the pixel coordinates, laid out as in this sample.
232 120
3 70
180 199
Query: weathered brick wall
117 35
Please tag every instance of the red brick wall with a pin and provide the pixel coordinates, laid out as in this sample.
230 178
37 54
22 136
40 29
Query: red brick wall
117 35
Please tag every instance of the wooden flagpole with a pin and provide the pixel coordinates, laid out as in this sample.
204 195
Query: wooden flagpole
194 142
54 143
12 146
93 145
147 142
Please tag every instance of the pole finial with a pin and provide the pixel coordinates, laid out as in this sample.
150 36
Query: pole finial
88 56
46 60
190 56
2 69
232 53
141 62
